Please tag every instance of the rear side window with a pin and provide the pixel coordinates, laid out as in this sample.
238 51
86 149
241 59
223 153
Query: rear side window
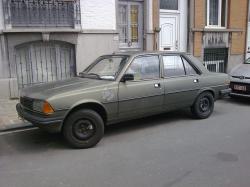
145 67
189 69
173 66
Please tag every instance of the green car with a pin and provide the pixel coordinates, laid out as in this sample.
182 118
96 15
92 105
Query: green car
120 87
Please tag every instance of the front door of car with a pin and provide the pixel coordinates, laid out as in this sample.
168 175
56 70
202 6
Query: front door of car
143 95
181 82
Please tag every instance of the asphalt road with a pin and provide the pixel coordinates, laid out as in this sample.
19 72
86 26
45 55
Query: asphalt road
169 150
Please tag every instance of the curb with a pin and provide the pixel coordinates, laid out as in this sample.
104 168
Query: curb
28 126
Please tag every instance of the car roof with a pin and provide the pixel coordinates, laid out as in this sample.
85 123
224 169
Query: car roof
136 53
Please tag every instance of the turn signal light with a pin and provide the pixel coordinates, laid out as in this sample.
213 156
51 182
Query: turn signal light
47 108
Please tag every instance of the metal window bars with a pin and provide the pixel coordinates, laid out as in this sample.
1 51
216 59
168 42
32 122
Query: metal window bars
42 13
215 59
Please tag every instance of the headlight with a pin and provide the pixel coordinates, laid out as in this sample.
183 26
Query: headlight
227 81
42 106
38 105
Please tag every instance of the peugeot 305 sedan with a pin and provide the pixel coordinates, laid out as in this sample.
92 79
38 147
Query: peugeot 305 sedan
119 87
240 80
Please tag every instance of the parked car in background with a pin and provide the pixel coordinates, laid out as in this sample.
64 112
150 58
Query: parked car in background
240 80
120 87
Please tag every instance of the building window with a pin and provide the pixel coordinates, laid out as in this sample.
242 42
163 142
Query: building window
45 13
215 59
216 13
130 24
169 4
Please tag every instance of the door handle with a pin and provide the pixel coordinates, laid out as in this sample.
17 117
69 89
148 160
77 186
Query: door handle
176 44
157 85
196 80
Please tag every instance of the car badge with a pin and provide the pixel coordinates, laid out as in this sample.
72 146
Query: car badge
242 77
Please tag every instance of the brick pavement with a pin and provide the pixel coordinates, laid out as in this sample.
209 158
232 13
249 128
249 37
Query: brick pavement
8 115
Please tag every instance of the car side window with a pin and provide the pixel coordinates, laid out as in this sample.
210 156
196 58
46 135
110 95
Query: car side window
189 69
145 67
173 66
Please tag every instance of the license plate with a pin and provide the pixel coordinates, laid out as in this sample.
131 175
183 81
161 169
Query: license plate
240 88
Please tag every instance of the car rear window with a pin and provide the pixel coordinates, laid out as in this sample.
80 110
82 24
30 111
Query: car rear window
173 66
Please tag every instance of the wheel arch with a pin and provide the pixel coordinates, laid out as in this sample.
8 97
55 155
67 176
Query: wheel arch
211 90
92 105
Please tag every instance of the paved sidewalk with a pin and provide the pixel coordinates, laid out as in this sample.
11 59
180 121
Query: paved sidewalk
8 115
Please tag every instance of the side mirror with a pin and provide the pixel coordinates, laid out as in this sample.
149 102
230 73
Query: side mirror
81 74
127 77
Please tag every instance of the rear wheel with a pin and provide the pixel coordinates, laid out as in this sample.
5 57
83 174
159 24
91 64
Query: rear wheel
83 129
203 106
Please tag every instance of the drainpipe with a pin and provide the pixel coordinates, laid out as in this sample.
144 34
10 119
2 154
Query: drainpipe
188 26
247 35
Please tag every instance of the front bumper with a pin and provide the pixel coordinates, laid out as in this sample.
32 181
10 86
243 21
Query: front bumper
51 123
225 92
240 95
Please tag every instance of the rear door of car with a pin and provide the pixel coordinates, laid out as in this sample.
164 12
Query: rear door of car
181 81
145 94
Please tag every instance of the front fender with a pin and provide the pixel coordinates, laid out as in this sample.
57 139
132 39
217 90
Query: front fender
86 101
89 103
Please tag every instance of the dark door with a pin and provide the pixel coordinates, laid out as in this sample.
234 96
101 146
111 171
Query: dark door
42 62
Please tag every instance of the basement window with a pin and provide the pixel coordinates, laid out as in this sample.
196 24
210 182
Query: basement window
216 13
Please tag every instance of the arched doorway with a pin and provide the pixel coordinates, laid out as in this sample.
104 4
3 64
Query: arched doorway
41 62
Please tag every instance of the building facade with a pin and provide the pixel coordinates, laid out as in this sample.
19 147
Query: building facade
48 40
217 33
248 33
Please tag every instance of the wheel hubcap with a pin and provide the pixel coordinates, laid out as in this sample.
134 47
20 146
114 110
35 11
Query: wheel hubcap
204 104
83 129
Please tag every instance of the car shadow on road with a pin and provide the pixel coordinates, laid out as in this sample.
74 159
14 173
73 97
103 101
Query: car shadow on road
239 100
37 141
149 122
30 141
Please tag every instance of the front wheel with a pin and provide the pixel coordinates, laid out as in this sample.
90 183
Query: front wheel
83 129
203 106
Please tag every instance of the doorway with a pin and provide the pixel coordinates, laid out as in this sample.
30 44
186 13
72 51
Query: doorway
169 34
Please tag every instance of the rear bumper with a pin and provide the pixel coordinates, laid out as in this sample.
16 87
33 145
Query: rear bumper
225 92
51 123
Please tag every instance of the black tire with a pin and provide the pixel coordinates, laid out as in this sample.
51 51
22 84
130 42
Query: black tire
203 106
83 129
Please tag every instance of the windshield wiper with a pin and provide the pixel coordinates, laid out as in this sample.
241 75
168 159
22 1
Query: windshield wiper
89 75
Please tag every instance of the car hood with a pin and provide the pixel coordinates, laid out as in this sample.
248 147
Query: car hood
44 91
241 70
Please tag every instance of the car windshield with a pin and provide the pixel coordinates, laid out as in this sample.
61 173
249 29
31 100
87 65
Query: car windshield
107 67
247 61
